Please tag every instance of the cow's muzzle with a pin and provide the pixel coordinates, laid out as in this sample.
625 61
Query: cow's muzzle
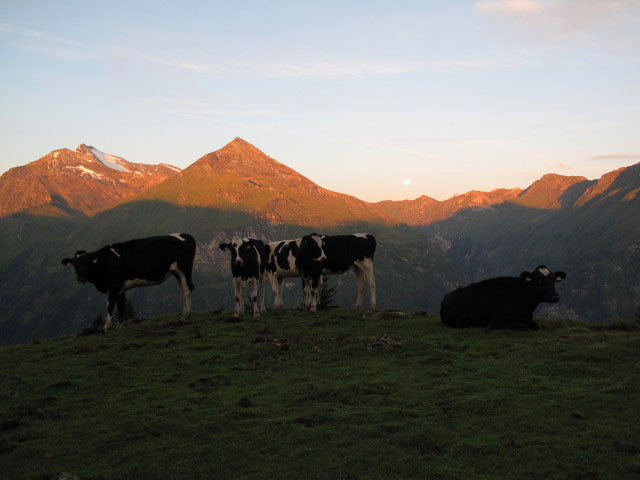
239 261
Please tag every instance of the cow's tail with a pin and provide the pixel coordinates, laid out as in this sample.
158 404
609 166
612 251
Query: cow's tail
190 250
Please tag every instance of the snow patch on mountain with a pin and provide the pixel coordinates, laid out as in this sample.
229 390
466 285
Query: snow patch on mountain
175 169
107 160
87 171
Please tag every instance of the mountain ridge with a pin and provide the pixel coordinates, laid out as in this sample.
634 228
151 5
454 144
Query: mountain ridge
239 176
75 182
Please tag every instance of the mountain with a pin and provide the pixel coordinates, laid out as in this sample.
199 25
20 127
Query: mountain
69 182
425 210
241 177
552 191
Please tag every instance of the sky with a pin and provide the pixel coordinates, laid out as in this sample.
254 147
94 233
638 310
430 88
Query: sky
381 100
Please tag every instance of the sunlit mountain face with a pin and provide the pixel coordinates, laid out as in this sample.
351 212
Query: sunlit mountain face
82 181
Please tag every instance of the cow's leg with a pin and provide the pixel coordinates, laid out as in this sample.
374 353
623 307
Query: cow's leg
185 291
261 287
313 291
366 266
360 284
306 289
121 302
319 290
277 286
111 304
237 290
243 283
254 296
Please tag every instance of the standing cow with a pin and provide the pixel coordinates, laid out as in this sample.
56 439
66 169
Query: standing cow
248 264
332 255
119 267
503 302
281 264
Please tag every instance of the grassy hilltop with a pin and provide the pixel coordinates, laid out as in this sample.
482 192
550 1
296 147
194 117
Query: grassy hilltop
295 395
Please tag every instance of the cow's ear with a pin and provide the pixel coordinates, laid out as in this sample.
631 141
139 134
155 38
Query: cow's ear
66 261
526 277
559 276
224 246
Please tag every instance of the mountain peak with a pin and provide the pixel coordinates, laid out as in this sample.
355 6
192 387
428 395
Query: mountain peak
83 148
240 146
552 191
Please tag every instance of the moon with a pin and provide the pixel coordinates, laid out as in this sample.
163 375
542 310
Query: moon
407 182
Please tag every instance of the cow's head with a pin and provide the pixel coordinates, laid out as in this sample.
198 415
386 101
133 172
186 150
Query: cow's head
543 283
313 247
238 247
83 263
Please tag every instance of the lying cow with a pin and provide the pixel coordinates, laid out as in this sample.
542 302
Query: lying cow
248 264
119 267
335 254
503 302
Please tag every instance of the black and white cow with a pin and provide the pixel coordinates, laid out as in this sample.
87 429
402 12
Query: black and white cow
281 264
335 254
503 302
248 264
119 267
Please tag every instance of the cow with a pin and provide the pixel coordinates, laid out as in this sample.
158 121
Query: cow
248 264
141 262
503 302
335 254
281 264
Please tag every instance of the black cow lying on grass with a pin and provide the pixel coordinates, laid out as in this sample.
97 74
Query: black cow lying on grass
138 263
503 302
248 264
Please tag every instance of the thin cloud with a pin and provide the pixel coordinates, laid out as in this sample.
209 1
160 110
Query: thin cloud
607 22
170 62
615 157
37 34
6 28
57 48
200 108
562 166
331 67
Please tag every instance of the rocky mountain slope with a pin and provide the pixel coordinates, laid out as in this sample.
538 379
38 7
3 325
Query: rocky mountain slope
241 177
83 181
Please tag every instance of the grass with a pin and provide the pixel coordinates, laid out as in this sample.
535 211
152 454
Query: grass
296 395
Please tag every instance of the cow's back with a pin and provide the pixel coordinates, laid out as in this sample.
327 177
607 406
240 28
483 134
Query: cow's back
475 304
343 250
153 256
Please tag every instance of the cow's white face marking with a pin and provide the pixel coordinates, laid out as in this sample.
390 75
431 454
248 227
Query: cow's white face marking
322 256
545 271
114 252
362 235
178 236
235 244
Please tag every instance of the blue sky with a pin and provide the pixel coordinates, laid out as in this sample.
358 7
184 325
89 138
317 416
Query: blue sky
357 96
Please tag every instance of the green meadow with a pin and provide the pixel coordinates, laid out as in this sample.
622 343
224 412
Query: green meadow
335 395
